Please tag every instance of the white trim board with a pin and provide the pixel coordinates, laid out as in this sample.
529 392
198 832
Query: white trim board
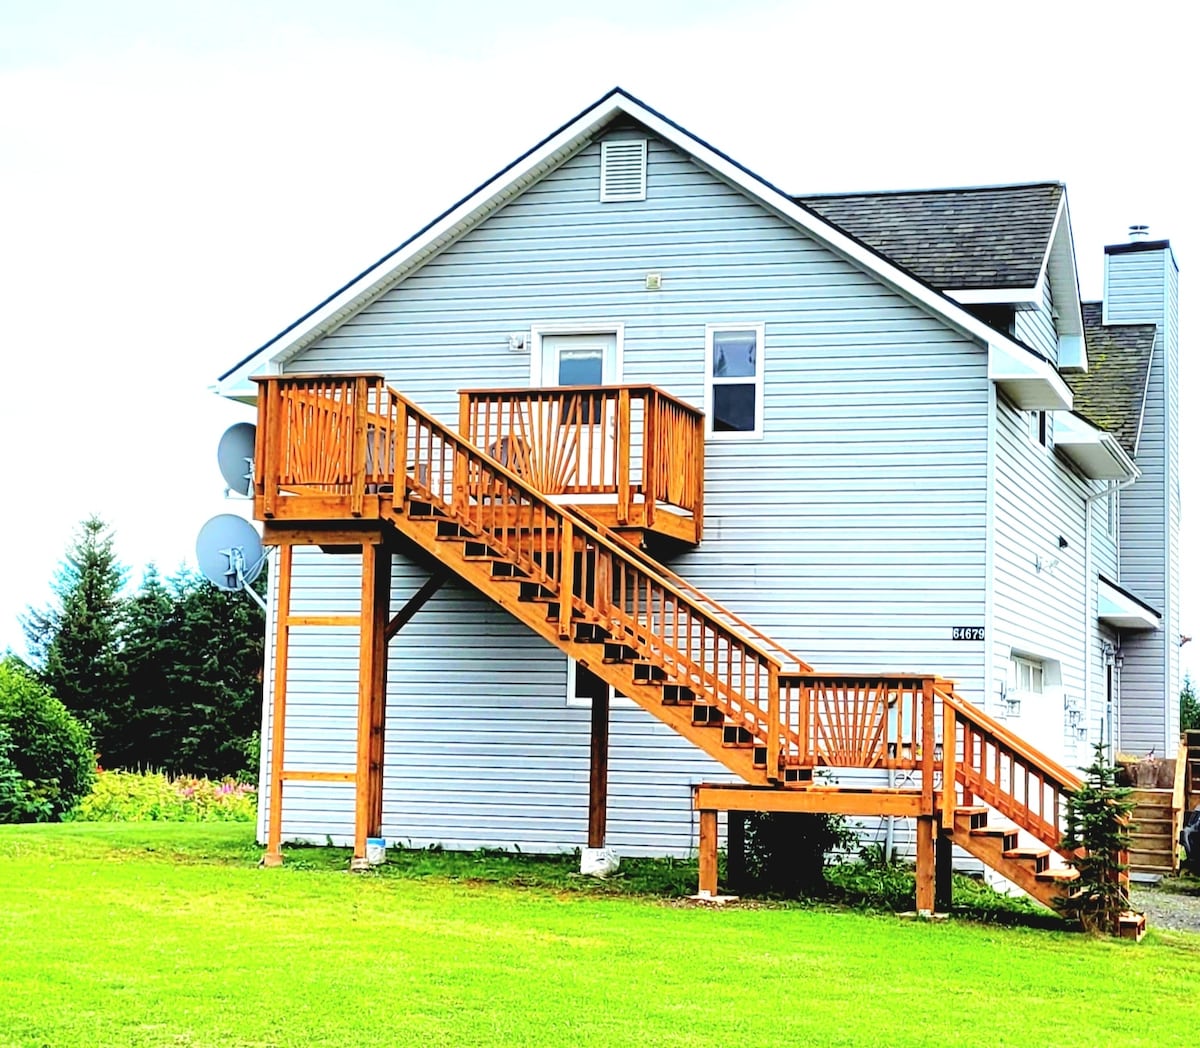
554 150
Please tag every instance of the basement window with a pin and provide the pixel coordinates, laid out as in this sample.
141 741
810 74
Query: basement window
733 386
1030 675
583 684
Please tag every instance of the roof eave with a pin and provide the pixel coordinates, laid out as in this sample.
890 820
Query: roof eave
1116 607
1095 453
1030 382
1047 389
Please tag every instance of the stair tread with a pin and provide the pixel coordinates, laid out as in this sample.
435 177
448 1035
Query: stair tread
1026 853
1060 874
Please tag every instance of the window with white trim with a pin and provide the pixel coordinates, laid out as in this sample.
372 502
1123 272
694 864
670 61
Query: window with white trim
581 685
1030 675
733 383
1039 427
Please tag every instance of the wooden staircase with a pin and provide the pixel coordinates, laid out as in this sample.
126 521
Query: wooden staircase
347 451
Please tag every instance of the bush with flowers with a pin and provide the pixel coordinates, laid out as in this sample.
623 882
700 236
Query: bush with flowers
153 796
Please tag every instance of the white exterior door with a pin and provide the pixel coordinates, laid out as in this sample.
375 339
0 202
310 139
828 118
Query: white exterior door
579 433
579 360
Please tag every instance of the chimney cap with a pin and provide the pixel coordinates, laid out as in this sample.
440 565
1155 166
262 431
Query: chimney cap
1139 232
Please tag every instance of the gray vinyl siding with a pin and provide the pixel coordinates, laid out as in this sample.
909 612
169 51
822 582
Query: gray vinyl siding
1046 614
1142 288
1036 327
853 532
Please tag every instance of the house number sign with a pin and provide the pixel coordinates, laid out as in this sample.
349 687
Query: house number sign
966 633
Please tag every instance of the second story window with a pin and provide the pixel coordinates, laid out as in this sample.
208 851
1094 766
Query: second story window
1039 424
733 387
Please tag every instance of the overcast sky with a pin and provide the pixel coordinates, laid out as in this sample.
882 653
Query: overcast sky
180 181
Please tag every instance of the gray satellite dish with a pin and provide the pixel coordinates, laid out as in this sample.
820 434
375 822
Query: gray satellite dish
235 457
230 553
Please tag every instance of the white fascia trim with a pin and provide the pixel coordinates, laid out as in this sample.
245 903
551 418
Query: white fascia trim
511 182
1072 353
1117 609
982 296
489 197
1097 453
1061 270
1035 384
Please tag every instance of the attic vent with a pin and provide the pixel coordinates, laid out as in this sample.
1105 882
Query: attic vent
622 170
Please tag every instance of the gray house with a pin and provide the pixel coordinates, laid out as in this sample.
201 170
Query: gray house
919 453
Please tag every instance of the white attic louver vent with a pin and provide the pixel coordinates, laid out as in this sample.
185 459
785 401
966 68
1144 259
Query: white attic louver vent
622 170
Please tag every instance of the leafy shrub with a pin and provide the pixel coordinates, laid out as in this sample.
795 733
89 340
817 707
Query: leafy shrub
46 759
785 852
123 796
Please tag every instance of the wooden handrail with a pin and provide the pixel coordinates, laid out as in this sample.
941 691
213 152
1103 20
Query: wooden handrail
328 442
632 387
621 440
790 663
1066 778
993 764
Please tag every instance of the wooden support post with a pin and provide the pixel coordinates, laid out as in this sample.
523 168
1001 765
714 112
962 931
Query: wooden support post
650 492
358 447
708 852
927 738
598 781
274 854
379 624
949 767
925 871
373 622
774 730
566 576
943 888
622 442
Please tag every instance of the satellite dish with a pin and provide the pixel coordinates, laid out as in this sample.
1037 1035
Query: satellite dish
230 553
235 457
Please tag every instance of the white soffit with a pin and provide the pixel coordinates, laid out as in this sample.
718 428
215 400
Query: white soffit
1029 382
1097 454
1117 608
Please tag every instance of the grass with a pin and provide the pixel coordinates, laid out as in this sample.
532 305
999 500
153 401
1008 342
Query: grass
167 935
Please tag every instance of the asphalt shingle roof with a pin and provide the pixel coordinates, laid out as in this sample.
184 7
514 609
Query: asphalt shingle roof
953 239
1110 395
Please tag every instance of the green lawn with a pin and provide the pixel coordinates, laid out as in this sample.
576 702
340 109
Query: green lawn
158 934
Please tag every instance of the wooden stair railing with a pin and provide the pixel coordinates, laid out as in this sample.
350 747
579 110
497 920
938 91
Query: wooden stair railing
335 440
617 440
591 576
998 767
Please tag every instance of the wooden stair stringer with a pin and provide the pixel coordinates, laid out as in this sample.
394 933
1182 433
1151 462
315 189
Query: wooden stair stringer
477 573
1017 864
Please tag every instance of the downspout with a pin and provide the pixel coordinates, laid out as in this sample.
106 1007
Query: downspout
1088 625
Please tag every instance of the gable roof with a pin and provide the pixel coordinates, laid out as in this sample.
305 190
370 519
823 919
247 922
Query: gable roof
953 239
1032 381
1112 392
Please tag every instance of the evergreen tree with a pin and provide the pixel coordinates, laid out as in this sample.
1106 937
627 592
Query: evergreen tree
75 641
146 739
1098 830
1189 706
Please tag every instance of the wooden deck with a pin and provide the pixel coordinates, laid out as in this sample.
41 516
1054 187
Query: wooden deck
346 463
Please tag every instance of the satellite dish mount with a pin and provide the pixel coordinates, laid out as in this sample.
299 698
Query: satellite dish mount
231 555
